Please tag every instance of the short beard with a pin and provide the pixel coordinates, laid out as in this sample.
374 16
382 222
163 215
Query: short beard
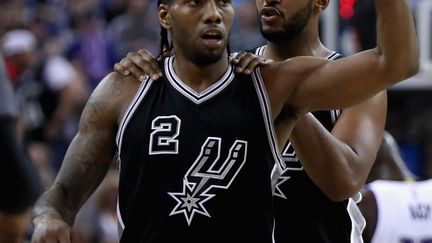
206 59
291 29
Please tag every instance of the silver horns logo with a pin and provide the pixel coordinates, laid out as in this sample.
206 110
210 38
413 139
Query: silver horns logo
206 173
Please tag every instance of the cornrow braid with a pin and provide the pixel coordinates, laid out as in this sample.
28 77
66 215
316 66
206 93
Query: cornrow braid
164 45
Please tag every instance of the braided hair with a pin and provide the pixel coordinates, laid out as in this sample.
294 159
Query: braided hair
165 45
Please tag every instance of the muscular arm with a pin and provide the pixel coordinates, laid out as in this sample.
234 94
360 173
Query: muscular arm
90 154
342 159
310 83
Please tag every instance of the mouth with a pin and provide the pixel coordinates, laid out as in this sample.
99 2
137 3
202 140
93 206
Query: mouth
269 14
213 37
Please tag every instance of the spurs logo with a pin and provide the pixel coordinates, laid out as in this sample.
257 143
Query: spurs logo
207 174
290 158
291 164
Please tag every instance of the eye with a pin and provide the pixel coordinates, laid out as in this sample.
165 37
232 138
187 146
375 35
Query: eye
225 2
195 2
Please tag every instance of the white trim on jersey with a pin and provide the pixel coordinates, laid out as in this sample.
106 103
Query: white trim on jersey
266 109
271 134
333 56
358 222
198 98
119 219
191 94
334 114
142 90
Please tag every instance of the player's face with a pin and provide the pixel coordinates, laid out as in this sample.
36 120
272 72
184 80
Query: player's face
200 28
282 20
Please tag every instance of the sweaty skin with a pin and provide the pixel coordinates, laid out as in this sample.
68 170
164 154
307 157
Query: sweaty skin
313 84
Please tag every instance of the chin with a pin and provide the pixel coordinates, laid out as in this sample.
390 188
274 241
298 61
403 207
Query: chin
277 36
208 57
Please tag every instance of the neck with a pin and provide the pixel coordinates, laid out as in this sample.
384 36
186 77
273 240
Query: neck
199 77
306 43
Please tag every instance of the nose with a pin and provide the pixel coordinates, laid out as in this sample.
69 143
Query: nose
212 12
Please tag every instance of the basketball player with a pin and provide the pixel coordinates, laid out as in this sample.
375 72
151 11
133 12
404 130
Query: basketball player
396 207
20 185
196 148
316 192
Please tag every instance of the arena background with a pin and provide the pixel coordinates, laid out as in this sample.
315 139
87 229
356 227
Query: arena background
91 35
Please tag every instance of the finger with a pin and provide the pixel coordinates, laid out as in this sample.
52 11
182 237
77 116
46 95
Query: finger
126 63
244 62
253 64
236 57
50 238
166 53
134 63
268 61
144 70
153 70
146 64
75 237
120 69
65 236
137 72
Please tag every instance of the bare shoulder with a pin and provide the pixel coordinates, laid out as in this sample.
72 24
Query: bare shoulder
112 95
284 79
288 73
116 85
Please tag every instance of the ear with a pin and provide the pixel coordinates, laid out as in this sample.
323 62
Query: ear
321 5
164 19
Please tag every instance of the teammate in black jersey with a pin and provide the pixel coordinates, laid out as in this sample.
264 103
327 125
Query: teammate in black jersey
316 193
201 192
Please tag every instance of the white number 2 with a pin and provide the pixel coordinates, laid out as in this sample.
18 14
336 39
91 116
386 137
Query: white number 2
163 138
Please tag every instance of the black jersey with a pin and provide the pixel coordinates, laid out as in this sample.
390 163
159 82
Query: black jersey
303 213
196 167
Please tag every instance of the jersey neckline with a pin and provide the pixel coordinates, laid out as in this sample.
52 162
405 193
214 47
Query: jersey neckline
185 90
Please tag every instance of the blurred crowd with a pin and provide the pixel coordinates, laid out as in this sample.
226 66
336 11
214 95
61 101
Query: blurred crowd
56 52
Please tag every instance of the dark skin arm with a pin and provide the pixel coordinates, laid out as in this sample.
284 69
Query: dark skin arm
86 162
304 84
317 84
343 157
142 63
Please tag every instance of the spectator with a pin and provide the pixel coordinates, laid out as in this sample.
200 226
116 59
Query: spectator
396 207
19 181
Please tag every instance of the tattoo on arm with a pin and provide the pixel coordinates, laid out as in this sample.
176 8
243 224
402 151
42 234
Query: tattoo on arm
86 162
